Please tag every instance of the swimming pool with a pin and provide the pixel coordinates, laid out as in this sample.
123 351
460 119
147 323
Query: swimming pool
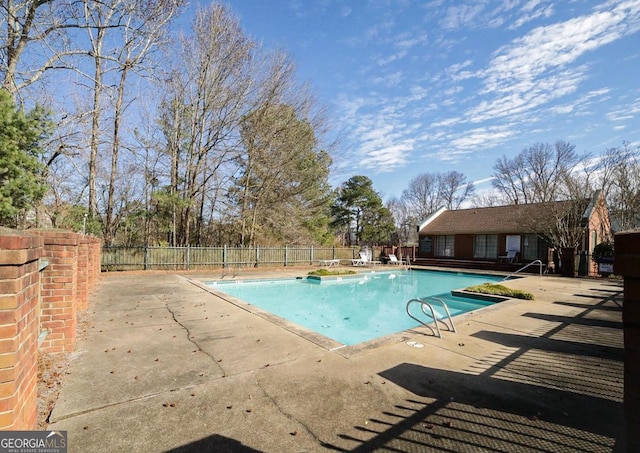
355 309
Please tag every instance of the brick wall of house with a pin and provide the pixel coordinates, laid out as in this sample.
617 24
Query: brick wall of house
19 329
33 301
627 264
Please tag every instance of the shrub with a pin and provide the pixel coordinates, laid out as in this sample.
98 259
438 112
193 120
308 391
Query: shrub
327 272
602 250
499 290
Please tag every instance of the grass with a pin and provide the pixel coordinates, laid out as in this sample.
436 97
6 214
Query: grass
327 272
499 290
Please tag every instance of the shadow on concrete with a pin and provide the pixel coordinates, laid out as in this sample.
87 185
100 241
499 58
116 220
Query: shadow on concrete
558 391
214 443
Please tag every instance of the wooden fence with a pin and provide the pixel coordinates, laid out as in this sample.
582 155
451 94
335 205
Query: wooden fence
190 258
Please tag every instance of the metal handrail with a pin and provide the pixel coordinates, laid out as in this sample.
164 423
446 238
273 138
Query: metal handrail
432 314
524 267
446 309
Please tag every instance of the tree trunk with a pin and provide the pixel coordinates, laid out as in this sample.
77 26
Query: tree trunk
109 221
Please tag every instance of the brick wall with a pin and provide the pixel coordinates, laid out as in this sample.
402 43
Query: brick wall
82 290
627 264
59 289
33 300
19 329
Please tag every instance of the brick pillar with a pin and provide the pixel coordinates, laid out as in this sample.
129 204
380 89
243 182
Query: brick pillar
93 261
19 329
627 264
59 290
83 273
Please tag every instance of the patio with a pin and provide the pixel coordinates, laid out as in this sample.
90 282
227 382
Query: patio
165 365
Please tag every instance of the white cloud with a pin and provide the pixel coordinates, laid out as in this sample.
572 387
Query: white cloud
480 138
529 15
531 5
388 80
461 15
534 70
445 123
626 112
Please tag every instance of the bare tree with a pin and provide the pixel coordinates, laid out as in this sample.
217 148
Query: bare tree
455 189
206 99
143 29
620 176
537 174
36 28
553 177
429 191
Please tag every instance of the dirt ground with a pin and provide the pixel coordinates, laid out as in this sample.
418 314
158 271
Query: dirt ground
52 370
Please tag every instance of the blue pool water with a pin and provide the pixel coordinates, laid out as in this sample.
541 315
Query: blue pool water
353 310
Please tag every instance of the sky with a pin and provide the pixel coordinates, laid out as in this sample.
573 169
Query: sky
434 86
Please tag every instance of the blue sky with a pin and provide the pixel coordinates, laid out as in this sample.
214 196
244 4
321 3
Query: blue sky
434 86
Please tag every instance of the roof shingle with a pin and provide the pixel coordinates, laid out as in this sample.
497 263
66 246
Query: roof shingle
523 218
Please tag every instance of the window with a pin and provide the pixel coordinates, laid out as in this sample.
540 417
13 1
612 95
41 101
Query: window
444 245
485 246
426 245
530 251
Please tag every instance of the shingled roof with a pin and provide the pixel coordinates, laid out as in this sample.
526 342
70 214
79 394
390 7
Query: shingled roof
523 218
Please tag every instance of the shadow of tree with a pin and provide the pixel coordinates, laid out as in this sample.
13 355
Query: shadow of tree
214 443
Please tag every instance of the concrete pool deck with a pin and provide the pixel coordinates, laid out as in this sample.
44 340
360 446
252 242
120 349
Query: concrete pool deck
165 365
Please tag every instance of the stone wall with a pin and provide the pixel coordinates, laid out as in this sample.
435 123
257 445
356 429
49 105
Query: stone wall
38 303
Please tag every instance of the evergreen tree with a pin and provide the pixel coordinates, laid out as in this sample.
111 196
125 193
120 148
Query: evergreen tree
359 214
282 189
22 172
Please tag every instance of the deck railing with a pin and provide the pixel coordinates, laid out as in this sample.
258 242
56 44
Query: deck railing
189 258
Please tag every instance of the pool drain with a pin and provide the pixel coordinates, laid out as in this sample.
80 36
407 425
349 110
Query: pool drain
415 344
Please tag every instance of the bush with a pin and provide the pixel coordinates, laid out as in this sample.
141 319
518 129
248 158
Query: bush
499 290
327 272
603 250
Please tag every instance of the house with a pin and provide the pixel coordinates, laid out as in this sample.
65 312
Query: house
513 234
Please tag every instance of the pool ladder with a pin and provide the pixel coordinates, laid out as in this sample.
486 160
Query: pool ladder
427 309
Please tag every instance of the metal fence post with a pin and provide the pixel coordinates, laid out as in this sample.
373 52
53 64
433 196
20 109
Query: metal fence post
257 255
224 257
285 255
146 257
188 256
311 255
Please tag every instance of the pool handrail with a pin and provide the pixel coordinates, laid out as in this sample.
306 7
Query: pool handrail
424 303
452 328
524 267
